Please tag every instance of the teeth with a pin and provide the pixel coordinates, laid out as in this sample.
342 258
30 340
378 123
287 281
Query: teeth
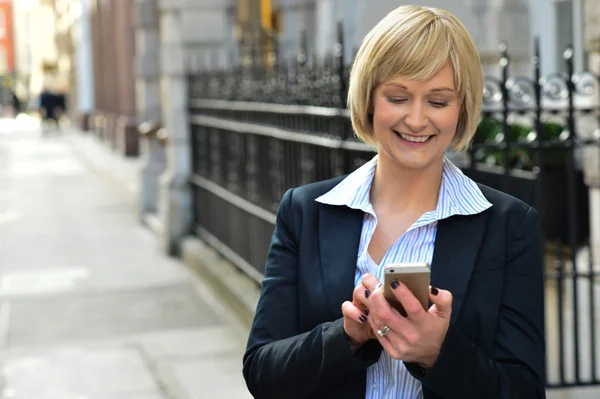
414 139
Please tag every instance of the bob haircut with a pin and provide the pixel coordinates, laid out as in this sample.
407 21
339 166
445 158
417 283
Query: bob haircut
414 43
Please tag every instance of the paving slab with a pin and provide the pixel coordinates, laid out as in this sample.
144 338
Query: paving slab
90 308
79 373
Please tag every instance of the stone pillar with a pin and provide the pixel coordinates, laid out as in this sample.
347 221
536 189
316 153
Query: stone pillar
175 195
185 26
591 170
592 154
148 100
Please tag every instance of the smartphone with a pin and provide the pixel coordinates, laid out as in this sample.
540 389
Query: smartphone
415 276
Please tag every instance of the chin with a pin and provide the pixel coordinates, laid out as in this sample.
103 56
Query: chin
413 156
414 164
414 160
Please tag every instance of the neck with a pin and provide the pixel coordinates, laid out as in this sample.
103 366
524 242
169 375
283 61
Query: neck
397 189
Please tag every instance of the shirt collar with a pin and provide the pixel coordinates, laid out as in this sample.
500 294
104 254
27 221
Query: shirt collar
459 195
354 190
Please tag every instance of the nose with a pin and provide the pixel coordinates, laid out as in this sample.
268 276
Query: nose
416 119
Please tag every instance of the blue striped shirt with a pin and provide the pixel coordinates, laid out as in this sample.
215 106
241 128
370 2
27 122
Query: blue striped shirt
458 195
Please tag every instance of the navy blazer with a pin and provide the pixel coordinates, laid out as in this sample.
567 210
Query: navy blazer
491 262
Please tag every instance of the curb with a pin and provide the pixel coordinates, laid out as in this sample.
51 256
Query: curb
238 292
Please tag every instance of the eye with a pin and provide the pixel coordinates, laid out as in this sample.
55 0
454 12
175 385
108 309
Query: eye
438 104
395 100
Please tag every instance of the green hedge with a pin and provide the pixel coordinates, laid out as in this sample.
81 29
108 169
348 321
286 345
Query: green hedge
489 129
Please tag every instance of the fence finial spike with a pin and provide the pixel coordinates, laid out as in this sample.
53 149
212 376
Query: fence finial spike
503 47
568 54
536 51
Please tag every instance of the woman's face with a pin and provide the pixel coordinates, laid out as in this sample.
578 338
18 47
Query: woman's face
414 122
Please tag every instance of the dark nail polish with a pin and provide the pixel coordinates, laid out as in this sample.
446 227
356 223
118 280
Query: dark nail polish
395 284
362 318
434 291
367 311
367 293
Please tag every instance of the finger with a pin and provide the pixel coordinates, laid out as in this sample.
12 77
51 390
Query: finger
409 302
384 314
389 347
375 325
378 287
442 302
370 282
352 312
360 297
388 341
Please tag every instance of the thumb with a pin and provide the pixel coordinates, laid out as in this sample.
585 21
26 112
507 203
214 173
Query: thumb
442 302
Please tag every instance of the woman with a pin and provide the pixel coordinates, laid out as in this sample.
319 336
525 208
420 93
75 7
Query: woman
322 328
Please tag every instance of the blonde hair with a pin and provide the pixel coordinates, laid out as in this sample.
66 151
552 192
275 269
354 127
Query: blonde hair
414 43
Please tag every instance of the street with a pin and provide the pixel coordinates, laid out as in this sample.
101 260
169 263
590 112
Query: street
89 305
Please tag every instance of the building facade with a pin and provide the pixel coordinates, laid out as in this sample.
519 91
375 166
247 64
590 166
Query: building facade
557 23
7 58
112 35
36 55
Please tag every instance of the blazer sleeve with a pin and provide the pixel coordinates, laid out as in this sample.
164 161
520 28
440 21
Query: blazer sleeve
281 361
516 369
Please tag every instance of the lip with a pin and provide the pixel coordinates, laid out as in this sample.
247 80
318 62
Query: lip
413 144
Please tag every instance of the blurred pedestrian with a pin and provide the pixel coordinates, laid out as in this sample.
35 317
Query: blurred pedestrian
16 103
323 328
51 108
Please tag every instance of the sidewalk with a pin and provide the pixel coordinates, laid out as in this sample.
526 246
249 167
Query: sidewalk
89 307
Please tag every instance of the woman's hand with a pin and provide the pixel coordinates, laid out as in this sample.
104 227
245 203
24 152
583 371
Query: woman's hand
356 314
417 338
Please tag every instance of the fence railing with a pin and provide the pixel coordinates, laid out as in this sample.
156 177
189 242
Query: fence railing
258 131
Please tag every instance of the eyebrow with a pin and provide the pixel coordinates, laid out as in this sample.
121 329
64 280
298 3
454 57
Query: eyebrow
437 89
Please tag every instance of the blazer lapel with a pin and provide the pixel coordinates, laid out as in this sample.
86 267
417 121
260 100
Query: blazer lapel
339 237
457 243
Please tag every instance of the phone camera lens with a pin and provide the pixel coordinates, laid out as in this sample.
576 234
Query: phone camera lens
391 270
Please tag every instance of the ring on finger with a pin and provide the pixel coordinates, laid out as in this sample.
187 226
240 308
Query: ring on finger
383 332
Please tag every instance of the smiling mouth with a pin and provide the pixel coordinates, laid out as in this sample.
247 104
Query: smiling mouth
414 139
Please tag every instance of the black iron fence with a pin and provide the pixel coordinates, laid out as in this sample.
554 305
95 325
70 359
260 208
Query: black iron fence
259 130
